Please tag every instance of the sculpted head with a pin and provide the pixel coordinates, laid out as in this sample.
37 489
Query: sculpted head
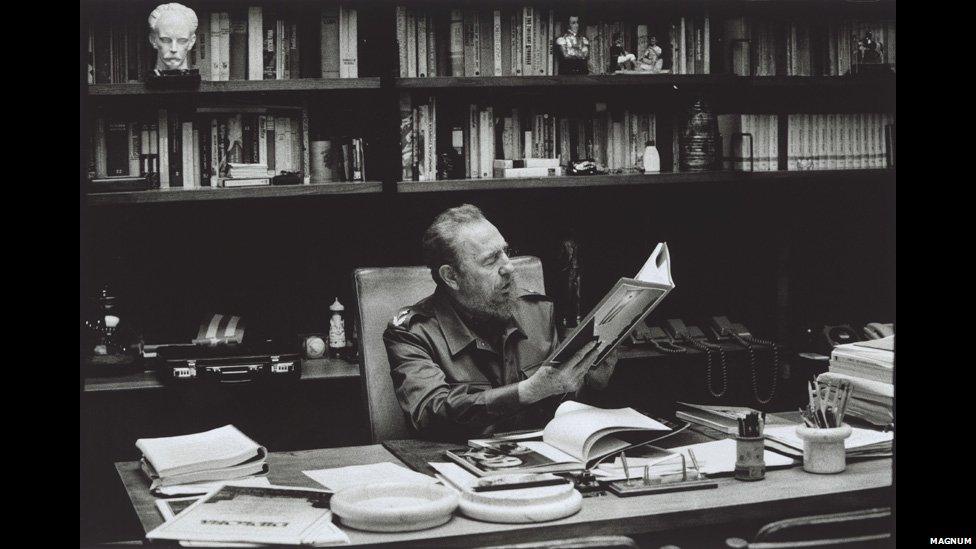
469 259
172 33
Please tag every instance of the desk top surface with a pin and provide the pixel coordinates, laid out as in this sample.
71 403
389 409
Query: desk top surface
786 492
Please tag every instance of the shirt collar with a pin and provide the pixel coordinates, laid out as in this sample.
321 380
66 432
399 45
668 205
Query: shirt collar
456 332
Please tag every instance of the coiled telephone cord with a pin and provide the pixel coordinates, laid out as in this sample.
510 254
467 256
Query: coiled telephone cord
748 342
707 348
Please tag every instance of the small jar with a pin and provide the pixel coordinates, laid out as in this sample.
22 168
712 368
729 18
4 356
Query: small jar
823 449
750 463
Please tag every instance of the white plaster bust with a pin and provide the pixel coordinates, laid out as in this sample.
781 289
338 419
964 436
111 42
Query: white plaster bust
172 33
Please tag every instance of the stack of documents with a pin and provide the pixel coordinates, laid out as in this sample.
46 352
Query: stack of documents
224 453
870 366
862 442
248 516
722 418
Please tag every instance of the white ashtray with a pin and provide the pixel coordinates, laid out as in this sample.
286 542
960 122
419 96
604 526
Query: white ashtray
394 506
522 505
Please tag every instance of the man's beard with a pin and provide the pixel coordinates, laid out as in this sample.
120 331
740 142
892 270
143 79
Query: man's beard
496 308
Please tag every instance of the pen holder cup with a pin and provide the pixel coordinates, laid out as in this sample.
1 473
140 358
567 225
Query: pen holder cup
750 463
823 449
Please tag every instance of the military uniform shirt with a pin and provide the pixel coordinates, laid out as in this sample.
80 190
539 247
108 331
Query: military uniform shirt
452 384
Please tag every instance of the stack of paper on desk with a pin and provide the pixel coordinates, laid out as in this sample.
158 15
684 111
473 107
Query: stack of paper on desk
861 443
870 367
715 457
255 515
224 453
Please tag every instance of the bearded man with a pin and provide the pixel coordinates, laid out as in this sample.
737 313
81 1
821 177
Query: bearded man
470 360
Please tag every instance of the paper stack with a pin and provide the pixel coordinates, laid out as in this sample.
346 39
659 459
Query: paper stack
861 443
870 366
244 175
224 453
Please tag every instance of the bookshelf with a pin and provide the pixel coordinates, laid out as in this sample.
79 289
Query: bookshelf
241 87
205 194
649 180
705 82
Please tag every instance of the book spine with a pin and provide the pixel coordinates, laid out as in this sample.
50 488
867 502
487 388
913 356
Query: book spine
134 146
329 45
163 147
476 48
538 37
255 47
517 55
432 65
411 44
238 45
350 56
457 43
486 141
186 151
270 56
496 48
203 47
550 39
421 37
528 49
101 148
295 52
400 15
487 40
432 143
474 161
279 46
706 67
223 42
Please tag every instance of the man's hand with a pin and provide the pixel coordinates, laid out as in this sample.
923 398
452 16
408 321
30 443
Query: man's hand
599 376
559 379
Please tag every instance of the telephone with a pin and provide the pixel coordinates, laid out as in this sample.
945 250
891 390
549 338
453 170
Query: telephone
662 341
877 330
721 329
838 335
694 337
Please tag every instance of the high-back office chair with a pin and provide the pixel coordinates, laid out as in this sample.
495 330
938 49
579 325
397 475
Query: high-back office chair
864 528
380 293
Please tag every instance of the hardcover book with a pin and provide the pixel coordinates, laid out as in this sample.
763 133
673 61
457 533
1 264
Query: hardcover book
577 438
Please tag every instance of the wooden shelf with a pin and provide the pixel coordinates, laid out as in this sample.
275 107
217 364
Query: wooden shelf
206 193
243 86
695 81
683 178
325 368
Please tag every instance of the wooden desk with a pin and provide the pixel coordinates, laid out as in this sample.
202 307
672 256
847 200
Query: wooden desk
784 493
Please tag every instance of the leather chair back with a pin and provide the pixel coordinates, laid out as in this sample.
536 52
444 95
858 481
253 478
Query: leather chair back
380 293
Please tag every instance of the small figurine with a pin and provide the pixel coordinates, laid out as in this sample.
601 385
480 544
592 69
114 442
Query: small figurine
337 328
651 61
620 59
568 288
172 33
574 50
869 50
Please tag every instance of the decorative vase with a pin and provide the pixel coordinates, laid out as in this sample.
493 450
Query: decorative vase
700 142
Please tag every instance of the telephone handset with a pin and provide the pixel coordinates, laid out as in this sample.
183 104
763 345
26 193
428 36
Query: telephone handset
694 337
721 327
662 341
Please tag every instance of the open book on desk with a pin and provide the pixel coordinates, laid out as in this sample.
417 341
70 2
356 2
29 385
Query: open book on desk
627 303
578 436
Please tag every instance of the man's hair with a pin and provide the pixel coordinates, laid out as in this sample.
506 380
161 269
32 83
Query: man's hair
169 8
439 238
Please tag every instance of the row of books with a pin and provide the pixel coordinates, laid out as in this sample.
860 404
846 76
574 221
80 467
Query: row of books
507 41
194 149
759 46
840 141
476 41
253 43
750 142
613 138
